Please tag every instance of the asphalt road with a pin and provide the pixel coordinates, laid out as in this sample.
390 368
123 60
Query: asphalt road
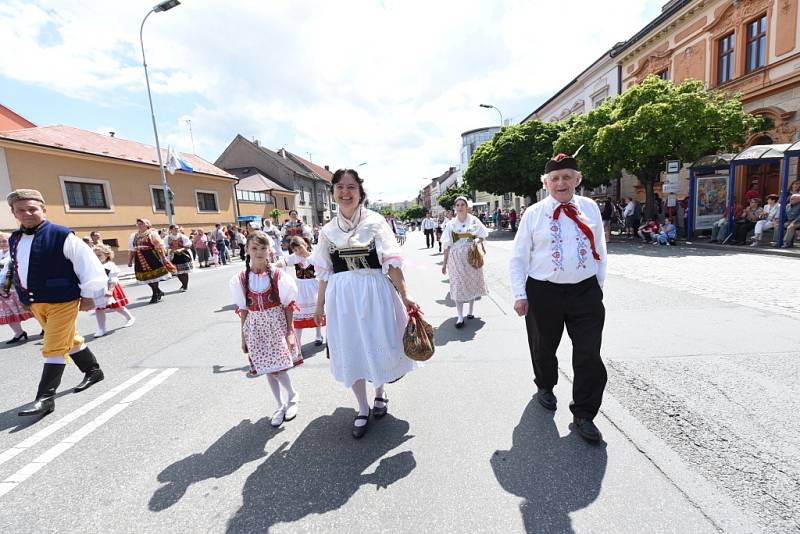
698 419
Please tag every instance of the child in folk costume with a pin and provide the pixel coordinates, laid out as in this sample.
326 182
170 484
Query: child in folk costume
114 298
307 288
264 297
212 246
12 311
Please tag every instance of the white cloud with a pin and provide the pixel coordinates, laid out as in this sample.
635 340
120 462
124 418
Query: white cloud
392 83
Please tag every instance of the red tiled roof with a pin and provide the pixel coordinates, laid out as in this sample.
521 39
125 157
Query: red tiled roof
11 120
323 173
68 138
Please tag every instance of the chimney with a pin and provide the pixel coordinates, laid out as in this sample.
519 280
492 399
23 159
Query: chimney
282 152
328 168
112 133
257 142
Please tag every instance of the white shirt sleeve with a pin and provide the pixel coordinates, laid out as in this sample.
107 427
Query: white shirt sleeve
388 248
237 292
113 272
130 241
90 272
481 230
287 288
321 258
521 255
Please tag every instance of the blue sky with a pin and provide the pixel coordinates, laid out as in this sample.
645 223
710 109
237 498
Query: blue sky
391 82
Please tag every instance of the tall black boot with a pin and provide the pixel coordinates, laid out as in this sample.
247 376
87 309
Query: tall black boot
87 363
45 396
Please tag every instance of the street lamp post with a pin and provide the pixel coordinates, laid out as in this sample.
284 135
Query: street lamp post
489 106
166 5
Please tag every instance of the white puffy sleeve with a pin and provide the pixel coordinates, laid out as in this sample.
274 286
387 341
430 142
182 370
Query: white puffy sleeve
91 275
287 288
387 247
447 235
321 258
237 292
185 242
480 230
113 272
521 255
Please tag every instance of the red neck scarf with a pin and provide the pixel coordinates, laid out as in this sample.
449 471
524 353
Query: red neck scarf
572 212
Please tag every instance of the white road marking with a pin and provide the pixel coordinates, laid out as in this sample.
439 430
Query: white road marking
72 416
54 452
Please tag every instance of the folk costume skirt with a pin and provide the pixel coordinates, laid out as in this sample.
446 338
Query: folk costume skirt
151 266
118 299
265 335
466 282
366 321
183 262
12 310
306 300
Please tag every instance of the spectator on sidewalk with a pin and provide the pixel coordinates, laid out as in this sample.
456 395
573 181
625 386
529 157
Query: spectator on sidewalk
769 219
648 231
512 217
632 214
741 227
666 234
428 226
95 237
200 242
719 230
607 212
792 220
218 237
752 192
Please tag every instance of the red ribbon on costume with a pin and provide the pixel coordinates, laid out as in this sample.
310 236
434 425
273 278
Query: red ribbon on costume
572 212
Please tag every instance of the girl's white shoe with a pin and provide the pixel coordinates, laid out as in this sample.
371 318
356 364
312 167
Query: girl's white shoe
291 411
129 322
278 417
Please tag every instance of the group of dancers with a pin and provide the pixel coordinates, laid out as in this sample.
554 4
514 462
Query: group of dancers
352 282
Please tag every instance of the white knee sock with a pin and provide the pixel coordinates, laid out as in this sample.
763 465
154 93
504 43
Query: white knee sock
298 336
470 306
55 359
125 313
360 390
286 381
78 349
319 332
460 311
380 391
275 386
100 315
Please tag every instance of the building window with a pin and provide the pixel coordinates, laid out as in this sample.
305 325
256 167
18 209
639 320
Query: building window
83 195
157 197
664 74
206 201
285 203
757 44
725 61
302 196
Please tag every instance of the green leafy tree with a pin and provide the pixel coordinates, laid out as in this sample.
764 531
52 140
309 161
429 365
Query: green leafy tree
448 198
414 212
514 159
385 210
275 214
653 122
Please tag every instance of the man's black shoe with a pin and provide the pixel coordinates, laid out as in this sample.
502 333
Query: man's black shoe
547 398
587 429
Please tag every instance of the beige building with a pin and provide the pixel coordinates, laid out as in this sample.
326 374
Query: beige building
746 47
259 197
92 181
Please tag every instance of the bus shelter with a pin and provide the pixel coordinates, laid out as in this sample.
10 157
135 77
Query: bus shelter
793 151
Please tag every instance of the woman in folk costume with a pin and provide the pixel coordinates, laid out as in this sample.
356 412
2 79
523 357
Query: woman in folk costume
12 312
147 253
463 232
294 227
179 247
307 288
264 298
366 311
114 298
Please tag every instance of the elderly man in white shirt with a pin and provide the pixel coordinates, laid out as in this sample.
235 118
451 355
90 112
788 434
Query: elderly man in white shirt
428 226
558 266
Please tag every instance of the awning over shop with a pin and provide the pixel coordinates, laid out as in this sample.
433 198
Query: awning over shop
712 163
758 152
248 218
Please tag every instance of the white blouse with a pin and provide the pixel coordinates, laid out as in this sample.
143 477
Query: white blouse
366 227
259 283
557 250
113 272
471 225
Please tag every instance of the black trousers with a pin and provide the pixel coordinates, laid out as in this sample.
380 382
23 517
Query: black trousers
580 308
429 240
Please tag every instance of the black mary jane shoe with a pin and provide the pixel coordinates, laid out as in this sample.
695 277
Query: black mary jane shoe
17 339
460 325
378 411
470 316
587 429
359 431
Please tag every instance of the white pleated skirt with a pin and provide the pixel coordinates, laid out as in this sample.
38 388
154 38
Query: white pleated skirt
366 322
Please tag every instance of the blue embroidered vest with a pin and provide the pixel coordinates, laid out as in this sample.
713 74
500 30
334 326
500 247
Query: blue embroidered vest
51 276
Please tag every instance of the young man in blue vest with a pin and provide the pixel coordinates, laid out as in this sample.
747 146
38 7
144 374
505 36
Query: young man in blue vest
56 275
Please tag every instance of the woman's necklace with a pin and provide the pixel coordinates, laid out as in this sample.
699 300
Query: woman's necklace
355 223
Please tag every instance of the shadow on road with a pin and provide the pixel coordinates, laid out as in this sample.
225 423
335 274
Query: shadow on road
322 469
10 419
447 331
241 444
555 475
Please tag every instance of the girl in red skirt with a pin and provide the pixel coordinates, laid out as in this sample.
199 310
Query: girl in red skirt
114 298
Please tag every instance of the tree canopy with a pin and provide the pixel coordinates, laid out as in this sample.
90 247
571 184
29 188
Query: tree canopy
653 122
514 159
448 198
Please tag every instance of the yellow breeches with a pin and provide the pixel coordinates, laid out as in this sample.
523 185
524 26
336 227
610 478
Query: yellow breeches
59 322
